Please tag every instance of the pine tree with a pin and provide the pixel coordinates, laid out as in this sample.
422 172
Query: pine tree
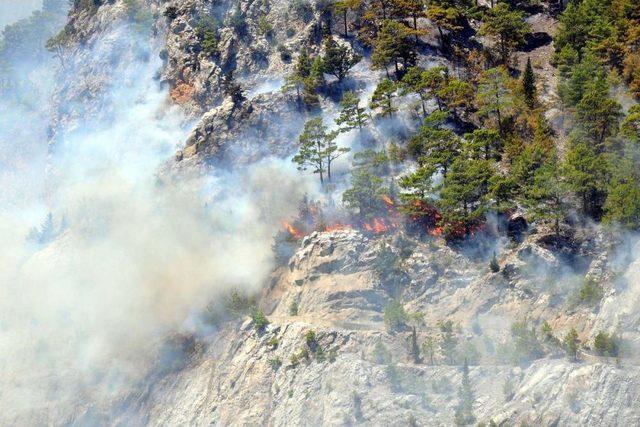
318 148
365 194
429 348
296 80
464 412
507 27
445 18
494 266
462 201
414 348
352 116
338 59
435 145
343 7
383 96
586 174
529 85
483 144
571 344
547 198
495 97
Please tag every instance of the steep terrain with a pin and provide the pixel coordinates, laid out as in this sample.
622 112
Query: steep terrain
488 341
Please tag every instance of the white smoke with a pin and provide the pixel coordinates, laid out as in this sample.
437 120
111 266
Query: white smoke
13 10
82 316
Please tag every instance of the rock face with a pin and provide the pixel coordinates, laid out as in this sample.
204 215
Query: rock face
356 372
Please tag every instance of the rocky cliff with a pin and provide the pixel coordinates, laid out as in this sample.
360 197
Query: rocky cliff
361 327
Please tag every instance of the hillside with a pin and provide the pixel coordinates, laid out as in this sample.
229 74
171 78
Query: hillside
320 213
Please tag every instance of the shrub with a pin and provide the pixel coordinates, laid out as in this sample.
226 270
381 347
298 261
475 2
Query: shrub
605 344
293 308
508 389
264 26
259 319
571 344
275 363
493 264
285 53
238 22
333 355
395 317
526 344
311 340
237 304
273 342
590 292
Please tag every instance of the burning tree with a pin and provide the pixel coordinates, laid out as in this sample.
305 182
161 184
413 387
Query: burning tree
318 149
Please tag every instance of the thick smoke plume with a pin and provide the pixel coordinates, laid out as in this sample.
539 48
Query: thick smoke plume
125 258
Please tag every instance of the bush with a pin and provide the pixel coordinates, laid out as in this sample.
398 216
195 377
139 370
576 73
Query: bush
311 340
264 26
395 317
590 293
275 363
293 308
526 345
605 344
493 264
258 319
238 22
571 344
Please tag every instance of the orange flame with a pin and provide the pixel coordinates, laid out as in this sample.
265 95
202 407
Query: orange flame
388 201
437 231
378 225
337 227
292 230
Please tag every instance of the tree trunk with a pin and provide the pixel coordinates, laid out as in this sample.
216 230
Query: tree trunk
346 33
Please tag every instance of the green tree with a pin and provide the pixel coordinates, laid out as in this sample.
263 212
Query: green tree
338 59
445 18
429 347
365 194
394 44
414 82
462 201
457 94
507 27
598 114
382 97
352 116
585 172
547 198
483 143
343 7
395 317
435 145
318 148
605 344
296 80
448 340
529 85
495 97
464 412
571 344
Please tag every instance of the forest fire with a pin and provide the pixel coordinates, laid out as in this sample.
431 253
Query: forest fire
295 233
424 216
